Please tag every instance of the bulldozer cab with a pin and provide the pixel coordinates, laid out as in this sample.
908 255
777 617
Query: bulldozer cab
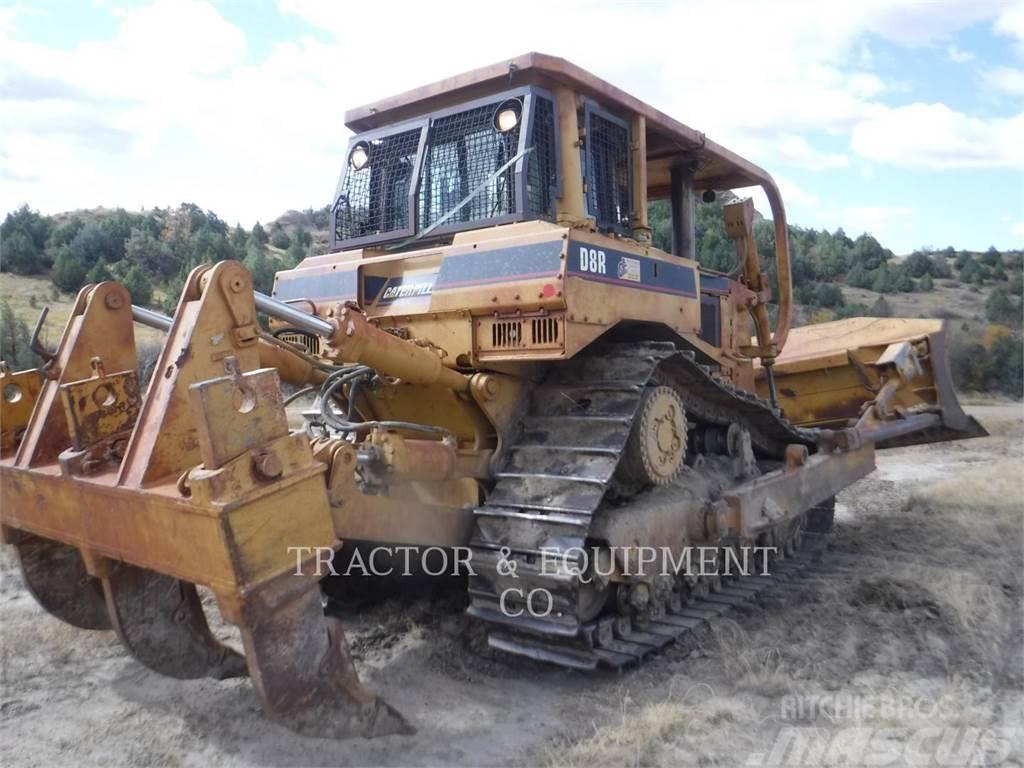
539 139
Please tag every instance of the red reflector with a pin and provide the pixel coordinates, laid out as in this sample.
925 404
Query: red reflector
549 290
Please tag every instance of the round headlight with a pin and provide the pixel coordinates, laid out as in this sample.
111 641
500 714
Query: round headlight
359 157
506 116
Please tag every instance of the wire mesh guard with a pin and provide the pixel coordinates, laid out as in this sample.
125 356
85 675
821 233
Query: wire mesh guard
608 172
374 199
463 150
542 169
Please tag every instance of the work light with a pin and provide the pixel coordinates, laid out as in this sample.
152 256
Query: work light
506 116
359 157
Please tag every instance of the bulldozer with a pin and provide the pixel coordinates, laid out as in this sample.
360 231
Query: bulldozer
500 362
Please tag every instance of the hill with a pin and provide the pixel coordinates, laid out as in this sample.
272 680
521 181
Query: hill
46 259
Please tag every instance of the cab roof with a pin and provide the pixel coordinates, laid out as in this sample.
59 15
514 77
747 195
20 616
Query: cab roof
668 141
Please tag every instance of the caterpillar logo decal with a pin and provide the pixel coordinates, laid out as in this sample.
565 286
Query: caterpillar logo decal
397 289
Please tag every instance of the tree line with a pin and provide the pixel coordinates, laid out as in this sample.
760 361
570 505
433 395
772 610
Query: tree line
151 253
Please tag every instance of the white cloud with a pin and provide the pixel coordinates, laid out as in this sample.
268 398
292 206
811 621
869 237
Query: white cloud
176 106
1010 23
958 56
1006 79
935 136
876 220
797 151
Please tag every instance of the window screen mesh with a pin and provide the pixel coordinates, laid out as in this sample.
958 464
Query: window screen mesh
463 150
375 199
608 172
542 172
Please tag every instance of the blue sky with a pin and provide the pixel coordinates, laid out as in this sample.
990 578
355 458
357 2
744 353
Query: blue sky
904 118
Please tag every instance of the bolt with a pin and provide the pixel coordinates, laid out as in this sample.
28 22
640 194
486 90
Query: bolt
114 300
237 284
267 465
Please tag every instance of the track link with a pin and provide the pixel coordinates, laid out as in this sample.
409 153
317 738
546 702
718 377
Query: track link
632 647
553 480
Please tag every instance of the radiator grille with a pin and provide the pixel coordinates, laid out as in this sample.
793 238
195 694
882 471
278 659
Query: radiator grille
544 330
375 199
503 336
306 341
507 334
463 150
608 182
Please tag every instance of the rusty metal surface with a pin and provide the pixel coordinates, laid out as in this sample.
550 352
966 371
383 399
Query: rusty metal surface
18 394
790 491
236 413
213 490
302 668
56 576
884 375
160 620
214 321
100 326
102 406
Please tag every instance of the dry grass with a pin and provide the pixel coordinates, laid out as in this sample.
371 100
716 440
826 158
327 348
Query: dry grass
998 487
19 290
915 605
643 730
954 301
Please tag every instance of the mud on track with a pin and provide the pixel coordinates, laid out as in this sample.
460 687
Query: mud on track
916 612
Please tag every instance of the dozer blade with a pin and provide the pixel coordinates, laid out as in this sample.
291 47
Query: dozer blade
160 620
55 575
198 483
888 377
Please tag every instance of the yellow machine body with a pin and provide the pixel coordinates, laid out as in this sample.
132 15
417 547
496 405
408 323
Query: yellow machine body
443 324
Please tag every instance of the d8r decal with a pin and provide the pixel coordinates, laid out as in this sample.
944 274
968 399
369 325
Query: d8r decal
593 260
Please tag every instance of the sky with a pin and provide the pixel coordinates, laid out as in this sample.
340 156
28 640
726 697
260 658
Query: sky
902 118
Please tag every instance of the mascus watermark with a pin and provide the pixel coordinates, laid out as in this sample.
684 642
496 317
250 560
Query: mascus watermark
860 746
837 729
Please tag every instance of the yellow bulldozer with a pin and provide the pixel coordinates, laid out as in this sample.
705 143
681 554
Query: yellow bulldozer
501 364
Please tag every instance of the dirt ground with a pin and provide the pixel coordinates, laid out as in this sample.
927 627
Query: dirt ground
904 646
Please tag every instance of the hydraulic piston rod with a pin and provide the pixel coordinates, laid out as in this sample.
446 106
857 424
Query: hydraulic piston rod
294 317
151 318
351 339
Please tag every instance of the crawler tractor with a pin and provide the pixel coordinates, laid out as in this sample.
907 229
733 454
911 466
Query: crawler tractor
501 360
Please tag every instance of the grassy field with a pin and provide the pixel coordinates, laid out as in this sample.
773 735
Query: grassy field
21 292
